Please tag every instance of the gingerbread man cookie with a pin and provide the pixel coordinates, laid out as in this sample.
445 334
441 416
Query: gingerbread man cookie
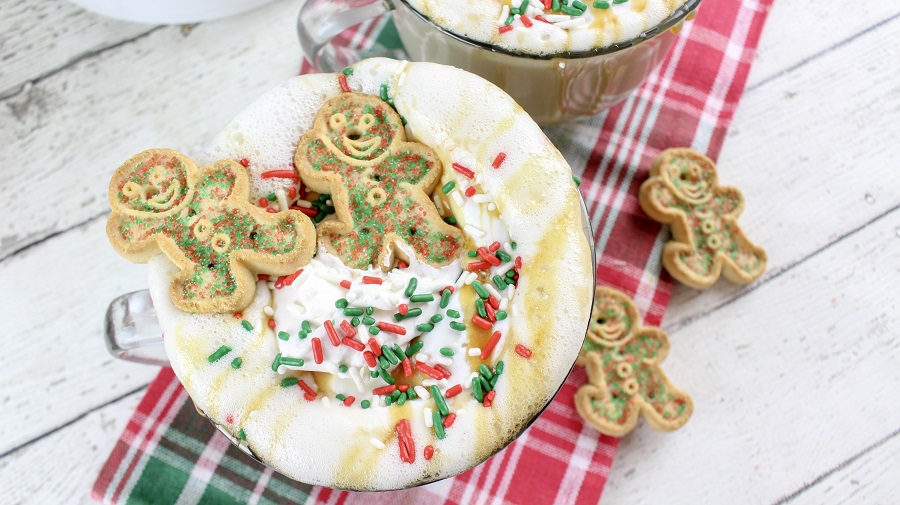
202 220
379 183
625 379
683 191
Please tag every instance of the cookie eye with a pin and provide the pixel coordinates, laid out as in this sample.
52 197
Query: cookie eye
132 190
366 121
337 122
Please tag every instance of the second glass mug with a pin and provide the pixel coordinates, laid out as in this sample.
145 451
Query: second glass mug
553 89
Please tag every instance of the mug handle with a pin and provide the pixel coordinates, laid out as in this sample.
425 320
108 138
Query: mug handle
132 330
322 20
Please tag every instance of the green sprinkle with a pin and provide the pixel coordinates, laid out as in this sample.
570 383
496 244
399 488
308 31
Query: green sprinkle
383 362
501 315
347 71
476 391
502 256
499 282
599 5
414 348
453 313
289 381
398 351
499 368
389 354
472 254
509 20
340 397
555 5
221 351
458 326
485 371
445 298
324 197
479 306
446 351
388 401
416 312
439 400
402 399
438 424
422 298
237 362
353 311
619 1
306 327
483 293
276 363
514 245
523 6
341 303
271 197
246 324
576 179
343 368
485 384
450 220
384 92
448 187
571 10
283 335
354 322
510 273
411 393
579 5
425 327
370 311
302 334
241 434
437 318
374 330
373 374
368 320
494 381
365 404
291 361
411 287
396 394
386 376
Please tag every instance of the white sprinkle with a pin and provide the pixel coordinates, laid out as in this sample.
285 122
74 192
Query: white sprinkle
421 357
429 382
478 176
422 392
473 231
504 303
533 11
282 199
377 443
516 3
471 277
326 401
269 311
462 280
481 198
328 202
491 290
270 284
444 360
457 197
512 292
503 15
426 413
437 203
474 351
572 23
556 18
303 203
506 267
468 382
508 248
492 206
351 296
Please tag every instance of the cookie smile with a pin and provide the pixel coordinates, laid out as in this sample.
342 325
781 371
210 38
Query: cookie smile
360 147
612 331
166 199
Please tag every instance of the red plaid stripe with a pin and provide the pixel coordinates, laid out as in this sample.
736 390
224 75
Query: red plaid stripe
689 101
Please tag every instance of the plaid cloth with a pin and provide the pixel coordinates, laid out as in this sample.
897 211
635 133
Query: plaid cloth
169 454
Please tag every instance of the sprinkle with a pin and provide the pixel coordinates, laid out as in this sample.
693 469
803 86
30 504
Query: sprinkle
457 198
370 359
447 188
349 341
407 367
341 303
422 298
504 29
244 162
492 300
485 371
276 362
487 256
476 390
389 354
221 351
500 157
317 350
454 314
438 425
371 280
456 325
283 335
425 327
308 392
502 256
349 330
377 443
236 363
479 288
523 351
384 390
429 420
353 311
306 326
263 202
407 445
455 390
478 265
481 322
542 18
446 351
332 333
465 172
470 191
391 328
346 284
499 282
342 80
354 322
437 318
492 342
347 71
414 312
238 315
403 309
374 330
241 434
411 287
386 376
368 320
446 373
414 348
297 362
479 305
349 401
427 370
421 392
449 420
271 324
373 344
525 21
429 452
489 398
246 324
601 5
474 351
308 212
499 368
289 381
365 404
279 174
491 314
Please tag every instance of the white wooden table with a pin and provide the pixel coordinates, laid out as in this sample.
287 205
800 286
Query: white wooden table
796 378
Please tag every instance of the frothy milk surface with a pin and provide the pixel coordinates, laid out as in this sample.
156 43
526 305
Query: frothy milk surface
308 420
539 27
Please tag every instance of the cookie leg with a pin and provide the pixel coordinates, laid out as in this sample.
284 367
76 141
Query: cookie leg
745 262
208 288
611 411
666 408
689 266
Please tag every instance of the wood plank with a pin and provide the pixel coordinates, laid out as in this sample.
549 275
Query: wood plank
814 161
788 382
62 467
168 89
38 38
55 365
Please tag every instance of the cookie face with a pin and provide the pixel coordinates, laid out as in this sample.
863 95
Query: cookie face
683 192
202 221
625 379
357 151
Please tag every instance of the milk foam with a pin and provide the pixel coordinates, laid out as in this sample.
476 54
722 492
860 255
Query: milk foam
464 119
597 27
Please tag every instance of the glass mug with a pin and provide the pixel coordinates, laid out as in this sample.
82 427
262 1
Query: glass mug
552 88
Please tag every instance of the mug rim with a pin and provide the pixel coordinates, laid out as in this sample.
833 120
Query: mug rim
674 18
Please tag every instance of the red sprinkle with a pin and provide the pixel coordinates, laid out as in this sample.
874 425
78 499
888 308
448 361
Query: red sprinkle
492 342
403 309
342 80
370 359
245 162
373 344
542 18
429 452
446 373
238 315
271 323
279 282
470 191
354 344
263 202
349 400
491 315
346 284
317 350
308 212
504 29
262 277
494 247
229 419
525 21
403 388
450 288
332 334
285 174
548 4
391 328
291 278
498 160
310 395
487 256
407 445
448 421
292 193
478 265
407 367
351 332
270 210
455 390
427 370
384 390
489 398
481 322
518 262
492 301
371 280
468 174
523 351
401 264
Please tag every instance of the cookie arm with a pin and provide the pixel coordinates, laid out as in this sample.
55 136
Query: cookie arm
650 344
658 200
729 202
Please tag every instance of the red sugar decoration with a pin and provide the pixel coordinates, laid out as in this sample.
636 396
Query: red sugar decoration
401 264
292 193
342 80
270 210
332 333
450 288
354 344
403 388
492 342
429 452
391 328
263 202
262 277
491 315
481 322
407 367
443 371
291 278
492 301
494 247
370 359
309 394
427 370
346 284
351 332
468 174
455 390
498 160
308 212
525 21
348 401
470 191
478 265
489 398
407 446
504 29
271 323
403 309
548 5
523 351
371 280
373 344
317 350
282 174
542 18
487 256
384 390
238 315
245 162
448 421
